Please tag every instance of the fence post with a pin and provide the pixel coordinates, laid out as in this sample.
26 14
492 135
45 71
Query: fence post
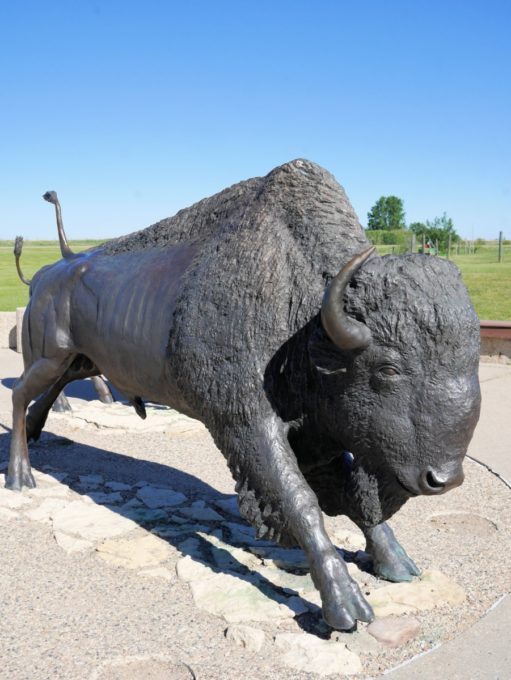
500 246
449 248
414 242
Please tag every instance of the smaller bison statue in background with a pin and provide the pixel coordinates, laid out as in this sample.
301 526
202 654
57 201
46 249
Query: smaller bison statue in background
331 379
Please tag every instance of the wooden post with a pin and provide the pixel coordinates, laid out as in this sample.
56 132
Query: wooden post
436 246
423 243
414 243
500 246
449 248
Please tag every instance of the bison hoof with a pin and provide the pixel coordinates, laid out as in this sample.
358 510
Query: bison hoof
389 558
16 481
343 603
398 569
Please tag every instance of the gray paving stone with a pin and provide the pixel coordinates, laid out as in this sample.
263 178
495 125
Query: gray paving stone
432 589
46 510
118 486
289 559
135 553
93 480
13 499
166 531
237 599
245 534
247 637
52 491
158 497
201 514
311 654
71 544
229 505
91 522
140 513
103 498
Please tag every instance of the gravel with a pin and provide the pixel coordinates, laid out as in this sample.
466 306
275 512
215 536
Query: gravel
74 616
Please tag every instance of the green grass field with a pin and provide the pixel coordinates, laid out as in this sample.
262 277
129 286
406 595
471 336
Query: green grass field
14 293
488 282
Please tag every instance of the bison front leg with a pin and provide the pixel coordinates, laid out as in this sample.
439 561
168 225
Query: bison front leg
276 499
389 558
345 488
369 500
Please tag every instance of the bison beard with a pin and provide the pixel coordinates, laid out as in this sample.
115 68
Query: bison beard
221 313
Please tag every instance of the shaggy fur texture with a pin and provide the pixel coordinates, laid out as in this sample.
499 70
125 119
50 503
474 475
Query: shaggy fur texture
247 317
216 312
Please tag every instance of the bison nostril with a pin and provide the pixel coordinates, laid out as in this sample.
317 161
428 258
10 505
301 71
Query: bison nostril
433 481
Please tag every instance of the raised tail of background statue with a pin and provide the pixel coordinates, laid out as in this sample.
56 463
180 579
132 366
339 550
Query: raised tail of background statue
104 393
51 197
18 247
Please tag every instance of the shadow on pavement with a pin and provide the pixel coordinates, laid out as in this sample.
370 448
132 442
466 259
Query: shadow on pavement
74 459
79 389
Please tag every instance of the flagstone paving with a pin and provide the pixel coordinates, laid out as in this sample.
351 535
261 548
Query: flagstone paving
75 600
230 574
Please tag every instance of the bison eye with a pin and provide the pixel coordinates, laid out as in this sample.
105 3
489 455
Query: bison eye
388 370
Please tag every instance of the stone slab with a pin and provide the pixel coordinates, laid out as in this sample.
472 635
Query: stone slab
91 522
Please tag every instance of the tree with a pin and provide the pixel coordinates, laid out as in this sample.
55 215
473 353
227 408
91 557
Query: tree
438 229
387 214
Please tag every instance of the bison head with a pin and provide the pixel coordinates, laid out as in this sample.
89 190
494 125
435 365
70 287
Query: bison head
398 367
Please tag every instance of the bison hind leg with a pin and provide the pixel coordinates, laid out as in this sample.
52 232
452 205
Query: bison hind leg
61 404
81 367
36 379
104 393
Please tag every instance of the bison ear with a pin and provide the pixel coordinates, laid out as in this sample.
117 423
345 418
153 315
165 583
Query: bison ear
346 333
325 358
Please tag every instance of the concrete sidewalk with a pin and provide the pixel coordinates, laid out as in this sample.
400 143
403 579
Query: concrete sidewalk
484 651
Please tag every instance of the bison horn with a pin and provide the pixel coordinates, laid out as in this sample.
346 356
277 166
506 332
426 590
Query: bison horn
345 332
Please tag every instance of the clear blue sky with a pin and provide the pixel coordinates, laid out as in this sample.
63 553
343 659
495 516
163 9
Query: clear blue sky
133 110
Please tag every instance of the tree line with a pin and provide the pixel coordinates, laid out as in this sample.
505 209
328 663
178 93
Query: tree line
388 214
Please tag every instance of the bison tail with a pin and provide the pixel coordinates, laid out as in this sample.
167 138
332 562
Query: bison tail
18 247
51 197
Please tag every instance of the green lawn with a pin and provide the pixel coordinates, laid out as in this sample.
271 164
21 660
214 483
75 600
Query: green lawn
488 282
35 254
